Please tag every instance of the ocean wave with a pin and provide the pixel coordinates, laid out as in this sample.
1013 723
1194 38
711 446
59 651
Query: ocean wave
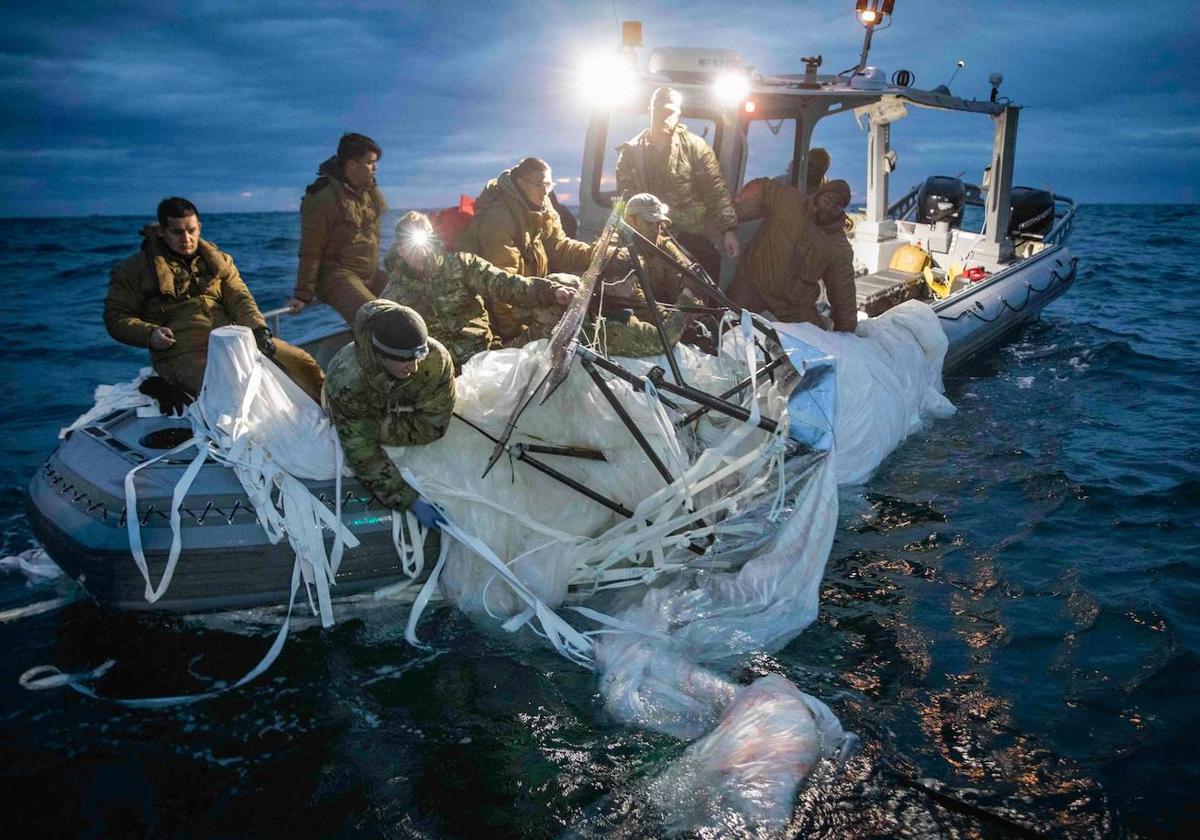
113 248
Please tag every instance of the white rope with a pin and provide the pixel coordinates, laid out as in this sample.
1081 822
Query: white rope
43 677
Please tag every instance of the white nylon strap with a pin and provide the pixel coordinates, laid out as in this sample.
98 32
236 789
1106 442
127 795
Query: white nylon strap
133 525
43 677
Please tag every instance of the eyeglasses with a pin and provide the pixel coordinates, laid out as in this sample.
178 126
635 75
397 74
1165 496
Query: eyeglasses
546 185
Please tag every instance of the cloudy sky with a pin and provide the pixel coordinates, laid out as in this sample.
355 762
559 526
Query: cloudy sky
110 106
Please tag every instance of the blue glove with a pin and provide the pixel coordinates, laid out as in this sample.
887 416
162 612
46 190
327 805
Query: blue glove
427 514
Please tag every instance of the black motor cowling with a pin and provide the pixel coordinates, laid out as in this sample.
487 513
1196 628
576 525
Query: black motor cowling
941 198
1032 212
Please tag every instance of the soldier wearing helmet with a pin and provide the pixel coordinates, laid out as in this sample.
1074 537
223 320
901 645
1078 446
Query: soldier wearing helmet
392 386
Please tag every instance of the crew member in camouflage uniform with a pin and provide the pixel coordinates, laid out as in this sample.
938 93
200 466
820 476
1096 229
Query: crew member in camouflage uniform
677 166
801 244
449 290
516 229
176 290
393 386
339 231
648 216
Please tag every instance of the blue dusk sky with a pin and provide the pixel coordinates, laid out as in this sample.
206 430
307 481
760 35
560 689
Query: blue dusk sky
110 106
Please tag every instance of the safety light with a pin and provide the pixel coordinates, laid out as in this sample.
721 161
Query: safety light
750 106
731 88
873 12
870 13
608 79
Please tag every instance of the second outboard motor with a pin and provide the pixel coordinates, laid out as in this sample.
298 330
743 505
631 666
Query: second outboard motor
1032 212
941 199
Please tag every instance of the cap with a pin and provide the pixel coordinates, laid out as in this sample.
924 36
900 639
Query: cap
400 333
838 187
666 97
648 207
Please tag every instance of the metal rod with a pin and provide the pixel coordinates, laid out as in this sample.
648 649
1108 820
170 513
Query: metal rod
685 391
502 441
713 403
704 285
565 451
521 455
620 372
639 271
627 420
546 469
762 371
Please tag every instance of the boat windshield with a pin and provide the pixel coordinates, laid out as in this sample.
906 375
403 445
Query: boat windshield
770 148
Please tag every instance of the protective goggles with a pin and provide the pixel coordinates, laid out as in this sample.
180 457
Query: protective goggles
414 354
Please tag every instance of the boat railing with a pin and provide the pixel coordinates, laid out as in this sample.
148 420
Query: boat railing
1064 213
903 206
273 316
1063 223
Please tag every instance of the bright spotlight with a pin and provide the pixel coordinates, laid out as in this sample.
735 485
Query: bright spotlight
731 88
608 79
417 237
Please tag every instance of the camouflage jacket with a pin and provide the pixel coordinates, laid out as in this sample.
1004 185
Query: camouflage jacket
339 228
783 267
371 408
451 294
191 296
692 185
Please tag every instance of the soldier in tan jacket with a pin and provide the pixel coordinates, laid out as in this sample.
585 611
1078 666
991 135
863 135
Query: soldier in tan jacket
339 231
518 230
801 245
176 290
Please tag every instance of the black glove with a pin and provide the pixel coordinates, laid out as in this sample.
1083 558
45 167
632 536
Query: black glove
172 399
266 341
618 315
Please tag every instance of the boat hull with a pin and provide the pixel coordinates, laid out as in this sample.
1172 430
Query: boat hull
992 309
77 510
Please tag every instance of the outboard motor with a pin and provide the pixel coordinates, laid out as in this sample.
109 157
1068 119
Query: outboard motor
940 203
941 199
1032 212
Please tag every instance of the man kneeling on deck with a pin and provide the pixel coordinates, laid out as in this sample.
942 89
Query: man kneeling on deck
175 291
392 386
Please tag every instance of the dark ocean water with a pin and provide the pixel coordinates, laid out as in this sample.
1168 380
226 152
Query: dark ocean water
1010 616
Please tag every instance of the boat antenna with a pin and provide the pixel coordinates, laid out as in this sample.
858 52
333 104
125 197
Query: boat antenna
958 65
